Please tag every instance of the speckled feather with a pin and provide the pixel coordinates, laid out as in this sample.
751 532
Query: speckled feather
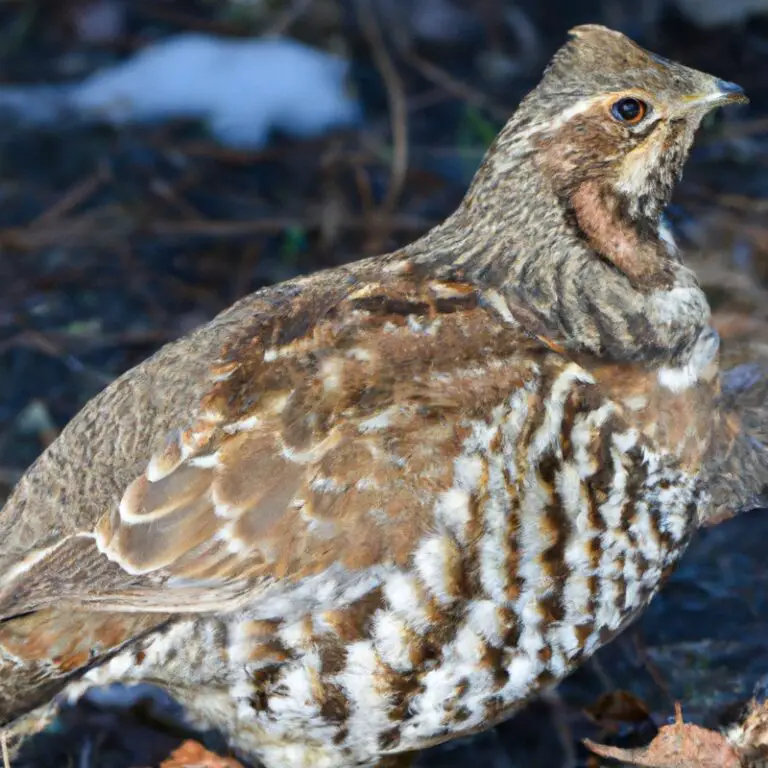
366 511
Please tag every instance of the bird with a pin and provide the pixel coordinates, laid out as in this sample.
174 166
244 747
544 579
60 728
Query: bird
375 508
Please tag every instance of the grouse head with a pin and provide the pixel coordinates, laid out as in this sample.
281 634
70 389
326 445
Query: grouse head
564 215
619 120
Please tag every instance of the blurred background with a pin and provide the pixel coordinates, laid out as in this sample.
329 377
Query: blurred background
141 193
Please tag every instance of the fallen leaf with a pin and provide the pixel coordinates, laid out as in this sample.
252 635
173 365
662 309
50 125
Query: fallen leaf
192 754
617 707
679 745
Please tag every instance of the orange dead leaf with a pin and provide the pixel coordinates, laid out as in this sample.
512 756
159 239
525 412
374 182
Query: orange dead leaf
192 754
680 745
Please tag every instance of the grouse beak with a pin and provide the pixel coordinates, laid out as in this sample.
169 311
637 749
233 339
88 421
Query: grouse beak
722 94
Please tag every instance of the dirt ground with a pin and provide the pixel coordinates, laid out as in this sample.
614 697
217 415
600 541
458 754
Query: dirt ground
113 242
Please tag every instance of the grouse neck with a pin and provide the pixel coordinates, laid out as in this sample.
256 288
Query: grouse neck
515 234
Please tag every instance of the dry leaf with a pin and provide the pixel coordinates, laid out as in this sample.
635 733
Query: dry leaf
617 707
680 745
192 754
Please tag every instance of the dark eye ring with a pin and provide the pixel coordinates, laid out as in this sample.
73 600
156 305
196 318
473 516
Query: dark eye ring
629 110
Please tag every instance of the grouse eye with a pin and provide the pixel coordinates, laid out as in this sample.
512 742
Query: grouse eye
629 110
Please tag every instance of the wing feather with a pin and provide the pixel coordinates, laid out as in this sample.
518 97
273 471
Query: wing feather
317 446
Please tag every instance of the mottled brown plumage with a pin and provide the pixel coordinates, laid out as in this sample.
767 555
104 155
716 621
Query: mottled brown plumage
367 511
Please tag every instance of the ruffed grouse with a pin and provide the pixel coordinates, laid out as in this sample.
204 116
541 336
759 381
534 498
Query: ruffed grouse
369 510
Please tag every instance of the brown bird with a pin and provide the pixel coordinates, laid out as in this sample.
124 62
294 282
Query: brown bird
367 511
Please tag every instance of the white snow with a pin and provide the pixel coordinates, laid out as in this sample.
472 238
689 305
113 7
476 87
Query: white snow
241 88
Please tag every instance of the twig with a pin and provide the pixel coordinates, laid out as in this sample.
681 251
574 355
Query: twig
4 747
651 668
79 232
288 18
43 343
398 109
101 225
270 226
168 194
439 77
606 681
73 197
59 343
